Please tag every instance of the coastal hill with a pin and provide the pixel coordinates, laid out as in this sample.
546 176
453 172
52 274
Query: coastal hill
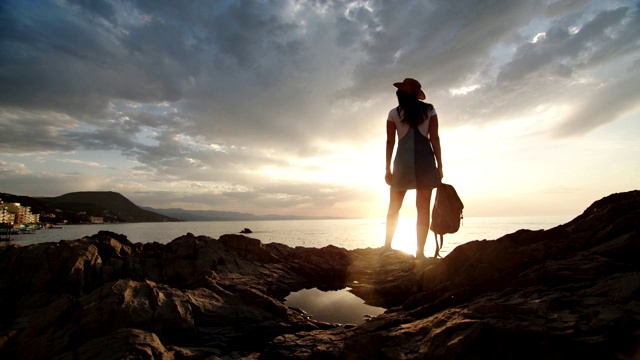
570 292
108 204
77 207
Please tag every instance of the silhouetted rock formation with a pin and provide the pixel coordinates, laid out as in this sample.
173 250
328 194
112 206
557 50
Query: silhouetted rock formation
563 293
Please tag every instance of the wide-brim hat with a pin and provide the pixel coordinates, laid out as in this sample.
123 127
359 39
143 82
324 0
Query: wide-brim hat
411 86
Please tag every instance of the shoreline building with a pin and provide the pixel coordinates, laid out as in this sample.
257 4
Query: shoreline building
16 214
5 216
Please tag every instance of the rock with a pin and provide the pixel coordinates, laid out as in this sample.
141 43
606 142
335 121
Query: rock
67 266
123 344
111 245
248 248
246 231
42 338
563 293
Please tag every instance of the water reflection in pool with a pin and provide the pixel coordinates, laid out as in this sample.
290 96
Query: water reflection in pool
339 306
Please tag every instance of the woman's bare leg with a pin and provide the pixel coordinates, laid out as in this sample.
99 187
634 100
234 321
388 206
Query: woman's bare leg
423 205
395 203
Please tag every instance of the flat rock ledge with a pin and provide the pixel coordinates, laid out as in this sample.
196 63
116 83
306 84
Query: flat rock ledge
569 292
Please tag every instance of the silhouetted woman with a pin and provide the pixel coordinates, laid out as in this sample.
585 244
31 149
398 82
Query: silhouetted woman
417 164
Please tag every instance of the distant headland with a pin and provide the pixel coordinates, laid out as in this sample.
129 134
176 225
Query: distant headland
85 207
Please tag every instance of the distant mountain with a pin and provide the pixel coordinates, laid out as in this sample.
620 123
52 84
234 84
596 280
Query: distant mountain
214 215
112 206
76 207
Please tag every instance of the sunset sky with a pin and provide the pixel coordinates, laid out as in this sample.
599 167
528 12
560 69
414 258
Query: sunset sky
279 107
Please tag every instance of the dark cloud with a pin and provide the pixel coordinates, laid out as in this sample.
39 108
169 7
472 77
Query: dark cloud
99 8
27 132
564 7
441 42
209 91
568 58
559 52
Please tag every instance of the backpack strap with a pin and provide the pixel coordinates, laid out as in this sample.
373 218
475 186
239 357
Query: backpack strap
438 246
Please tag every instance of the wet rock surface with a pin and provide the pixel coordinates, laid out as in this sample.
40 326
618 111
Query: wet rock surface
563 293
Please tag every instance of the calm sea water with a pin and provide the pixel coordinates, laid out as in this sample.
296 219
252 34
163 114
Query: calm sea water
349 234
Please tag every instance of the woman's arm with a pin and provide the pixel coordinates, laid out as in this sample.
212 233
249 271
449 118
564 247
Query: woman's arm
391 142
435 142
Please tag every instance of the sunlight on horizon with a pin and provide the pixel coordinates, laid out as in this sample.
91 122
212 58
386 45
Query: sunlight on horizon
405 237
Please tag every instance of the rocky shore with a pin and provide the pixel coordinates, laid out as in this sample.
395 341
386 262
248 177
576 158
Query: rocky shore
569 292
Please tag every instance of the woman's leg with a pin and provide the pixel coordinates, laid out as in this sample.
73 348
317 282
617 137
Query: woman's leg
395 203
423 205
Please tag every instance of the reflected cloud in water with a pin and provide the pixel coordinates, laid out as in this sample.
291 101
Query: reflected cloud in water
339 306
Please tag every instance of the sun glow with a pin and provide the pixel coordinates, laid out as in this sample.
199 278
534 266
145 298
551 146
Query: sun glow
405 238
347 166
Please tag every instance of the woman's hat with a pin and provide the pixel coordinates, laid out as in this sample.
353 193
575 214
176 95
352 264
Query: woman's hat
411 86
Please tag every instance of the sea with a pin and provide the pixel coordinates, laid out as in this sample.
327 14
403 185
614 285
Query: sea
346 233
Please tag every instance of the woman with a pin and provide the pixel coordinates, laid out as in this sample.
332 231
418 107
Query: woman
414 166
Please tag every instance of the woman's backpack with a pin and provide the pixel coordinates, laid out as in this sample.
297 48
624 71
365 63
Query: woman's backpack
447 213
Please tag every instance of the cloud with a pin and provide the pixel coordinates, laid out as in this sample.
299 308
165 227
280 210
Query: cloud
576 54
213 93
563 7
441 42
81 162
566 47
26 131
276 199
7 168
604 105
30 183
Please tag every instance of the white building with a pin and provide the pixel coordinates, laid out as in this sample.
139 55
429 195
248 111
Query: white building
14 213
5 216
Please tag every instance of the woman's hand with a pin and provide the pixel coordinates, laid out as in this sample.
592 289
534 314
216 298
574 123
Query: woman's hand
387 177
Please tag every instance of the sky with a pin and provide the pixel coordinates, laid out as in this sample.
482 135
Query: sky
280 107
